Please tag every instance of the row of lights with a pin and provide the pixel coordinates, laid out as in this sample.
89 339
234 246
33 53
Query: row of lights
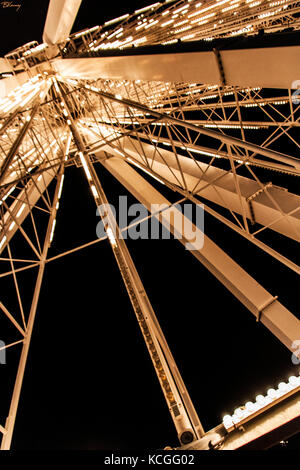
60 185
251 409
84 163
232 126
169 19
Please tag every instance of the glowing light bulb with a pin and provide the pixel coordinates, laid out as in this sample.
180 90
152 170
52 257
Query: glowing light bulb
271 393
294 381
260 399
94 190
282 387
21 210
3 241
250 406
227 421
239 412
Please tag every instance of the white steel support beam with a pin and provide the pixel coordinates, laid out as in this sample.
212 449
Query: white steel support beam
274 67
217 185
181 408
287 262
282 323
60 18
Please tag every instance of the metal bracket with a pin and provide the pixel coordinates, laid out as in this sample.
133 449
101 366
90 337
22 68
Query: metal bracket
259 191
220 66
249 200
264 306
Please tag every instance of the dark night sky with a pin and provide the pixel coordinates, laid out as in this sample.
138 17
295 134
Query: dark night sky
89 382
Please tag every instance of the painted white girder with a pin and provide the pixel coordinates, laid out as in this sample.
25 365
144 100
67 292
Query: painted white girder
275 67
282 323
60 18
218 186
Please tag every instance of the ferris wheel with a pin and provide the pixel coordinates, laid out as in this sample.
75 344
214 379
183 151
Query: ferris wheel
196 98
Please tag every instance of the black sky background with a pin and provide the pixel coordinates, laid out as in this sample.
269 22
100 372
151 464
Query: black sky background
89 382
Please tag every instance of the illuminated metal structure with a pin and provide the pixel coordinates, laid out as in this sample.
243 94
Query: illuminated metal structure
207 120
